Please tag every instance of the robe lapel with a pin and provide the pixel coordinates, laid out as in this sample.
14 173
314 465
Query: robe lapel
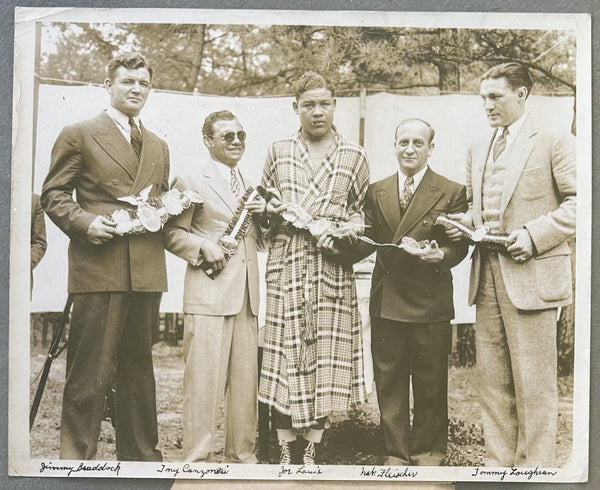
518 155
220 187
112 141
424 198
317 179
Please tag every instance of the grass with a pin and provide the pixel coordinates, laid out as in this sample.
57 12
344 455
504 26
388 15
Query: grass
354 438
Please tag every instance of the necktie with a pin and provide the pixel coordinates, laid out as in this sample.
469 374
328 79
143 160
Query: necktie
407 193
136 137
235 185
500 144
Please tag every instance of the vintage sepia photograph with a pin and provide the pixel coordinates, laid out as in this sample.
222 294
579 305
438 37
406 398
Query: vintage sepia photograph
266 246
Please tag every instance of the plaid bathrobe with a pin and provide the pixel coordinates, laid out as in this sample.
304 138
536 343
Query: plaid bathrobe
312 357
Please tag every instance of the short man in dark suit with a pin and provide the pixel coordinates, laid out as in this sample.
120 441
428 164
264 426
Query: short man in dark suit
411 301
116 282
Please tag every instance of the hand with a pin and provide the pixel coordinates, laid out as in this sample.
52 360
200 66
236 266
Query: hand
213 255
257 206
275 207
431 253
326 243
521 248
101 230
454 233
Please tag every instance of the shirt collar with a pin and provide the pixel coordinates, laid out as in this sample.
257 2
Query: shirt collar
120 118
417 178
225 170
513 128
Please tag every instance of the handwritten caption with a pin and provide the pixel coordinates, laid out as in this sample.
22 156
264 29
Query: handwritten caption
388 473
189 471
286 471
520 473
105 468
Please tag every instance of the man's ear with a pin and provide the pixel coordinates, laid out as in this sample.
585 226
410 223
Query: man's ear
207 142
295 106
522 93
431 147
108 85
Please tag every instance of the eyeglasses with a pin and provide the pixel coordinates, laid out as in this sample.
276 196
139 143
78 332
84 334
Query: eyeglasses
230 136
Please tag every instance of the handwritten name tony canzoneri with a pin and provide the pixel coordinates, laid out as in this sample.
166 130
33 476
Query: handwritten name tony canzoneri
112 468
189 470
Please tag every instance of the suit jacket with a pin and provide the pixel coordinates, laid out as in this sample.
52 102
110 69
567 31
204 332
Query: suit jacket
224 295
403 288
539 194
94 159
38 231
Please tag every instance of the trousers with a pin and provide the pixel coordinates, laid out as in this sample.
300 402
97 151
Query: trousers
110 344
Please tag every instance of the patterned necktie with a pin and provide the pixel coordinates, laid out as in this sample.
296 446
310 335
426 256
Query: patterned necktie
407 193
500 144
136 137
235 185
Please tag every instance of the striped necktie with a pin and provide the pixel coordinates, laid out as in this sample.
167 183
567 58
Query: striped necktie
500 144
235 185
136 137
407 193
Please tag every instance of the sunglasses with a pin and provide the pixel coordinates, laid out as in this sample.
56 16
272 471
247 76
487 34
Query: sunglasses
230 136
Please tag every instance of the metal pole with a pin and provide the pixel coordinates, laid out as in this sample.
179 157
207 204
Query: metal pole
363 107
36 90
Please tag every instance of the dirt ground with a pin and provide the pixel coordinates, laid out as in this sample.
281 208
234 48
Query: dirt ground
354 438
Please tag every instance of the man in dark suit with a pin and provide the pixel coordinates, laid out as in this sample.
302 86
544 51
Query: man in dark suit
116 282
521 181
38 234
411 301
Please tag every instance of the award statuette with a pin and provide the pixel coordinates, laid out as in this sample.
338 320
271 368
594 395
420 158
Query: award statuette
236 230
478 236
151 213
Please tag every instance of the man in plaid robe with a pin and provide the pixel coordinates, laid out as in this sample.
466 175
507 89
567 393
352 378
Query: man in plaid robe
312 358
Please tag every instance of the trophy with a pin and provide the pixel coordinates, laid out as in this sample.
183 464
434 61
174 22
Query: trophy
479 236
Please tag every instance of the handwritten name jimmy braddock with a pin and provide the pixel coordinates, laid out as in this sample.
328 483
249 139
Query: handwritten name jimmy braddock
388 473
82 467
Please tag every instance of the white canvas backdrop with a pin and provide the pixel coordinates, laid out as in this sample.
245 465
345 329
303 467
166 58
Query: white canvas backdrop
178 118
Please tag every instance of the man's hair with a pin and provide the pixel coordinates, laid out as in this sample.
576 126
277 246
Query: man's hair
208 128
414 119
129 60
516 75
309 81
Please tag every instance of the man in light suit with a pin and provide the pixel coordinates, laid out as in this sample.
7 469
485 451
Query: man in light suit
411 302
116 282
220 330
522 182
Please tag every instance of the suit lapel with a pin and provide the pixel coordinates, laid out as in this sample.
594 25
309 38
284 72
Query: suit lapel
151 148
478 161
388 201
518 155
422 201
112 141
220 187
